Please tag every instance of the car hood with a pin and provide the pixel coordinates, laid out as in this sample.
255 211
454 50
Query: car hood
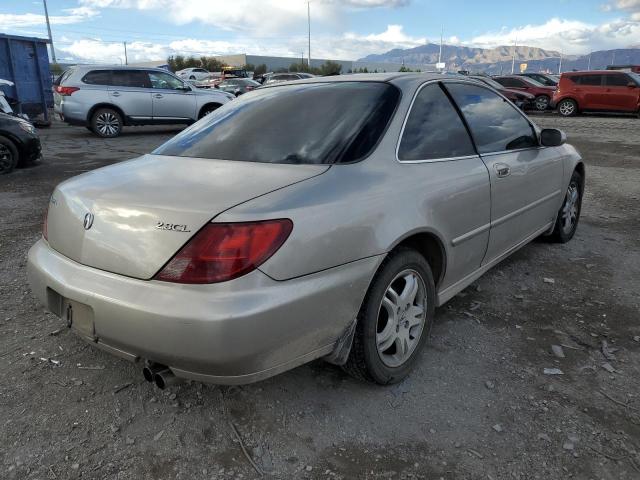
141 212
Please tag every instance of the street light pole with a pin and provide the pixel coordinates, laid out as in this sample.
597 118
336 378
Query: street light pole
46 14
126 60
309 29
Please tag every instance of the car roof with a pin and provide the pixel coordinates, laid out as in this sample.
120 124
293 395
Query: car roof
116 67
403 80
599 72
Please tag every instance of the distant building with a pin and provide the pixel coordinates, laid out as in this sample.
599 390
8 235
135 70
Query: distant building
277 63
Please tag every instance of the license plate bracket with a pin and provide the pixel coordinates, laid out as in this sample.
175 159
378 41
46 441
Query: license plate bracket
79 317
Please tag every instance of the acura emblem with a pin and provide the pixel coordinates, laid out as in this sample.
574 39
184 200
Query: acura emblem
88 221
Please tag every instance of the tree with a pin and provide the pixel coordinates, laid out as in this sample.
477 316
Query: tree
260 70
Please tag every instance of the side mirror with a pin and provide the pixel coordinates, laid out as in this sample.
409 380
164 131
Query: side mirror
631 85
184 88
552 137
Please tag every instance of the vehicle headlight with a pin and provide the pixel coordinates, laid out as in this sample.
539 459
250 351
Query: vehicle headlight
27 127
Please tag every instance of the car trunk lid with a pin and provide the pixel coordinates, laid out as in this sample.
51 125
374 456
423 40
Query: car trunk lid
131 218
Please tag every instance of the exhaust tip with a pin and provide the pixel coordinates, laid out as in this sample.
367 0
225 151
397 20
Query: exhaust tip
150 370
165 378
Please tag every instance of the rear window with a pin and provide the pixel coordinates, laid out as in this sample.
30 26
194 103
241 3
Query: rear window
98 77
66 74
316 123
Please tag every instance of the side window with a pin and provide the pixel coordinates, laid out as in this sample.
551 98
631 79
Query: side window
616 80
98 77
506 82
593 80
495 125
165 81
434 128
130 78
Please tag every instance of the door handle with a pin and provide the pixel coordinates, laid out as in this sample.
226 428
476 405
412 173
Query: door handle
502 169
158 95
115 94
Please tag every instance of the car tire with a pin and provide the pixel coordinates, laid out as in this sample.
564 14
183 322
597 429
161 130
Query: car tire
8 155
106 123
541 102
568 107
207 109
192 77
385 344
569 213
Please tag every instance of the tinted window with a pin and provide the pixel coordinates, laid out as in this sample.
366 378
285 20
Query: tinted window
312 123
594 80
64 76
130 78
164 80
496 125
98 77
434 129
616 80
511 82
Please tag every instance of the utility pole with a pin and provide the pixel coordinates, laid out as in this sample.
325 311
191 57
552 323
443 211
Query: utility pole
126 61
560 65
46 14
309 29
613 60
589 64
440 53
513 58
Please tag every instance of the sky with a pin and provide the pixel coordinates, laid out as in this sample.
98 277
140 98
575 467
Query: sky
94 30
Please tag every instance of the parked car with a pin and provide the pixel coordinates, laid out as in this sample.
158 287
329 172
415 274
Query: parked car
19 143
194 73
286 77
255 240
542 78
542 94
522 100
604 90
104 99
238 86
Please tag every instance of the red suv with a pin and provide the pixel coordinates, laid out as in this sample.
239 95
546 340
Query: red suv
542 93
604 90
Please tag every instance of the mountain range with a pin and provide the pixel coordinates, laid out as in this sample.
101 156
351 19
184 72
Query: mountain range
499 59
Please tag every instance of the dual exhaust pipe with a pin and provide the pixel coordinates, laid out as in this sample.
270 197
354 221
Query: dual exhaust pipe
159 374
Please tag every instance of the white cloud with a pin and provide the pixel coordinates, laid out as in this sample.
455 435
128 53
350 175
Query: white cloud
348 46
75 15
570 36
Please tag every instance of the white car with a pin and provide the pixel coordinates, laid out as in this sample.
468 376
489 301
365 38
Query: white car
194 73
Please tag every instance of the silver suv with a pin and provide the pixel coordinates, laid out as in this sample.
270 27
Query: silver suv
106 98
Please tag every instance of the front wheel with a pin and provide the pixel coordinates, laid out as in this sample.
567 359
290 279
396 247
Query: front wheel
568 108
542 102
207 109
569 213
8 155
395 319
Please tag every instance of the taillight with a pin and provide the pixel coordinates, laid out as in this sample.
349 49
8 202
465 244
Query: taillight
66 91
45 230
250 87
224 251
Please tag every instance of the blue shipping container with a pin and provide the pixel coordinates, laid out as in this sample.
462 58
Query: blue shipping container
25 62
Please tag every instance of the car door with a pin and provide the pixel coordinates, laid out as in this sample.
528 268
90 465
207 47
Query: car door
618 95
526 180
173 100
591 89
448 182
130 92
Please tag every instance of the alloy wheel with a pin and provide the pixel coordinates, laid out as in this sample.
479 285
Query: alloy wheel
6 159
566 108
108 124
570 208
401 318
542 103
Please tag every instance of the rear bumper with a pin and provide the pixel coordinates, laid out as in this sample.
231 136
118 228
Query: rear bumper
234 332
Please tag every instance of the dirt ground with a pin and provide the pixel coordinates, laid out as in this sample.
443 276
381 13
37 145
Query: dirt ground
478 406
